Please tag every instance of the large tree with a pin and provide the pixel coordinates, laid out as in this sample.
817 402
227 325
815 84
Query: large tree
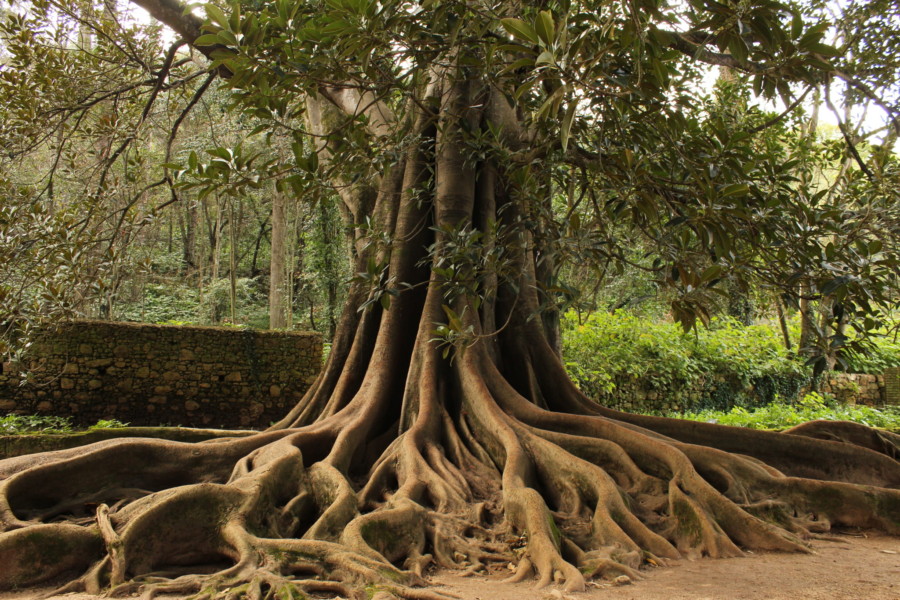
443 428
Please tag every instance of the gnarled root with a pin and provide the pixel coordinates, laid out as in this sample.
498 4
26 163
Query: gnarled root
501 481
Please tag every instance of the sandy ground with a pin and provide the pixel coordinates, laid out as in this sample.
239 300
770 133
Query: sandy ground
854 567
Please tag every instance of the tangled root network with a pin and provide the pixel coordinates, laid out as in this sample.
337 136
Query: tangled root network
471 474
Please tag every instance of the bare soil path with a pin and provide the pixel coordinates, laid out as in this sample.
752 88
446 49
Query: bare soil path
855 566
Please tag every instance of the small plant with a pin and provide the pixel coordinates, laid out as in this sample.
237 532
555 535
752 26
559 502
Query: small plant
108 424
40 424
19 424
815 401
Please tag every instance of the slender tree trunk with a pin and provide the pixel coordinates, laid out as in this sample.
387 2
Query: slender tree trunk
232 255
278 306
190 218
782 323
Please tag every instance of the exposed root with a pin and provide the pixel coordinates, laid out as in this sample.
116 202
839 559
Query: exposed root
884 442
366 500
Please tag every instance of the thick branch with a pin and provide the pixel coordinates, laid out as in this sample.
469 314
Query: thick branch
172 14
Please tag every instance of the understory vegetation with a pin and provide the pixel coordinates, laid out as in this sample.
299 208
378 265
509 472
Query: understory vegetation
724 365
782 415
48 424
719 367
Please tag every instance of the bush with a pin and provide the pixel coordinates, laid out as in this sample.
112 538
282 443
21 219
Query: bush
633 363
43 424
882 354
781 415
16 424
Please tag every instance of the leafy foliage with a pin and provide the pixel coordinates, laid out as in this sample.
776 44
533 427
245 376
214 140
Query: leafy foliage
19 424
730 364
48 424
781 415
880 354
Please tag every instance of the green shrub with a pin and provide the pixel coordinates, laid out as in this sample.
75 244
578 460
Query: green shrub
881 354
108 424
162 303
45 424
611 356
781 415
16 424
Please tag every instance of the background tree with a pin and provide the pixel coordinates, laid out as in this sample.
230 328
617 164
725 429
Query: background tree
443 428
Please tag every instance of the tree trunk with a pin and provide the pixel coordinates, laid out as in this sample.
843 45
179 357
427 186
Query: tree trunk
782 324
402 455
278 306
189 217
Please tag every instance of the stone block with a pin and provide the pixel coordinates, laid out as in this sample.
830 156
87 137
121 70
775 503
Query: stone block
99 362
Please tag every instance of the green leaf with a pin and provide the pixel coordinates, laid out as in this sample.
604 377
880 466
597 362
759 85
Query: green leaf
735 189
216 15
551 105
712 272
207 39
520 29
823 49
545 58
545 28
796 25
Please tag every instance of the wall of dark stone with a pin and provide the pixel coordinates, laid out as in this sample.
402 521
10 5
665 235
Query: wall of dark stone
162 374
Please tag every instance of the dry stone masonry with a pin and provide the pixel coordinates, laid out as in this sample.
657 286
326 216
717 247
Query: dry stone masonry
637 395
162 374
857 388
892 386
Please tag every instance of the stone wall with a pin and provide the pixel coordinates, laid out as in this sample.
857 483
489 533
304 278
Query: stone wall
892 386
720 393
717 392
161 374
854 388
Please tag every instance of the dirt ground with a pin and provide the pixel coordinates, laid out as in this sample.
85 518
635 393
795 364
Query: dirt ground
856 566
